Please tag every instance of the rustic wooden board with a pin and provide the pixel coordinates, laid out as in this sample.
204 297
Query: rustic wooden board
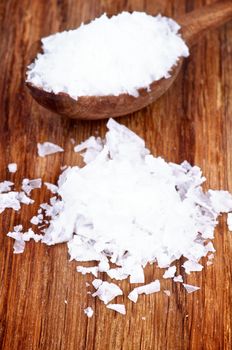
192 121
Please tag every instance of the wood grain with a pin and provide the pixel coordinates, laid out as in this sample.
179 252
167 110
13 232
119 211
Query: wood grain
192 121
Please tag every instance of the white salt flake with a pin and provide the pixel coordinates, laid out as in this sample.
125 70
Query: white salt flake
167 292
209 263
12 167
84 270
170 272
190 288
9 200
130 51
5 186
211 256
34 220
178 278
229 221
96 283
88 311
29 185
118 308
107 291
221 201
191 266
47 148
51 187
23 198
150 288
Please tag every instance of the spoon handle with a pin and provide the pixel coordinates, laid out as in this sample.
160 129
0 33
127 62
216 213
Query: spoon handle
194 24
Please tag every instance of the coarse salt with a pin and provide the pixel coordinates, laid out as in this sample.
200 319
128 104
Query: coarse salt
97 210
109 56
88 311
190 288
12 167
118 308
107 291
47 148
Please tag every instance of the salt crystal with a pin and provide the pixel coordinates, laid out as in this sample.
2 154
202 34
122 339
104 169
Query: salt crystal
170 272
150 288
85 270
23 198
130 51
103 266
88 311
229 221
9 200
51 187
29 185
5 186
133 295
167 292
107 291
47 148
192 266
12 167
96 283
190 288
211 256
178 278
118 308
34 220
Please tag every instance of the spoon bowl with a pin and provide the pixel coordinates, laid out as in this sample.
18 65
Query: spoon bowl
193 25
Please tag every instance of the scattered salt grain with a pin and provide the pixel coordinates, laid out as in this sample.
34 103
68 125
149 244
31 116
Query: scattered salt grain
167 292
130 50
9 200
47 148
84 270
34 220
23 198
96 283
5 186
12 167
178 278
190 266
51 187
118 308
88 311
170 272
229 221
190 288
66 302
211 256
29 185
150 288
107 292
22 237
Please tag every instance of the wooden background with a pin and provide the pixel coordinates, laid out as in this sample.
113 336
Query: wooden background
192 121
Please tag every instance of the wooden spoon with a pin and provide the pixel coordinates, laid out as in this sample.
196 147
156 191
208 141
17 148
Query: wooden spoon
193 26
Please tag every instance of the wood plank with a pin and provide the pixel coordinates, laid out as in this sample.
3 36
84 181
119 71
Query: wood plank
192 121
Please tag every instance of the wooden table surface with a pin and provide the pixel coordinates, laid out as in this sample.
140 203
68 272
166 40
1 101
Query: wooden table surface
192 121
